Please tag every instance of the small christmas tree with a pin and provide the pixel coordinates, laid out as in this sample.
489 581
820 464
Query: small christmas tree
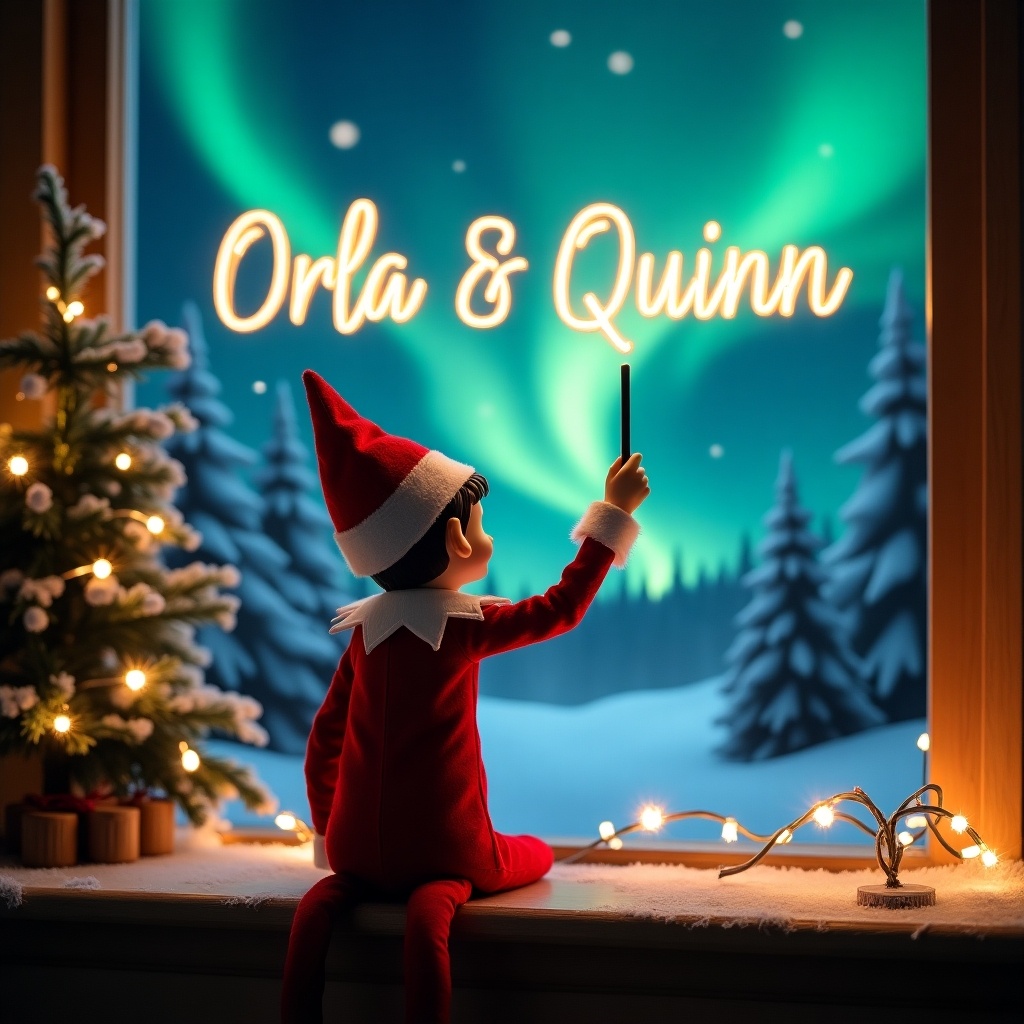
792 680
99 669
877 568
276 653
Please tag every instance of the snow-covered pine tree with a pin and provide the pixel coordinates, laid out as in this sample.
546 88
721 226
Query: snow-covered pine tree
99 669
298 524
877 568
276 654
792 680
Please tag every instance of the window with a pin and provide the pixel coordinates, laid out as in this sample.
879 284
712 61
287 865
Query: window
974 451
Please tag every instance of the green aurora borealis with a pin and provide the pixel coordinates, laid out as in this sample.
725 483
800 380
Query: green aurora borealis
819 139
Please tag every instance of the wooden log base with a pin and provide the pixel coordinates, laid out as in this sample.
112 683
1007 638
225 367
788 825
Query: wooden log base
903 898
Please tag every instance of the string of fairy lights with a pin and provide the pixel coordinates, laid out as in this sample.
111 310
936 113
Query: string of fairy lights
101 568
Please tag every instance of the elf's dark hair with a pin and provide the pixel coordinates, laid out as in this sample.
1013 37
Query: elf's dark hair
428 557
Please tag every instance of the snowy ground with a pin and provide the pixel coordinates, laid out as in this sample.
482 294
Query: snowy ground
560 771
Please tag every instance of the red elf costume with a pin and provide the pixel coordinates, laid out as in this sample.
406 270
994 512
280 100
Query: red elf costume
394 775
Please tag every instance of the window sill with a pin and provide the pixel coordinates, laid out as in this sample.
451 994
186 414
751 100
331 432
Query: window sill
560 950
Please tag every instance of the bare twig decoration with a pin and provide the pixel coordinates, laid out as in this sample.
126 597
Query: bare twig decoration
914 817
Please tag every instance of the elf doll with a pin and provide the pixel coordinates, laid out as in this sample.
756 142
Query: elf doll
394 774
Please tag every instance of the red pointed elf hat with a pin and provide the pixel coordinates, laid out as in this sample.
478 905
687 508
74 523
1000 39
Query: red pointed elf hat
383 492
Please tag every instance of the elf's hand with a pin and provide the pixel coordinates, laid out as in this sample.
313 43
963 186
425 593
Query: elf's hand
627 486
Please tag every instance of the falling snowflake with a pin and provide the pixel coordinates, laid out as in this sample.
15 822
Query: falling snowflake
259 387
560 38
344 134
620 63
458 166
792 29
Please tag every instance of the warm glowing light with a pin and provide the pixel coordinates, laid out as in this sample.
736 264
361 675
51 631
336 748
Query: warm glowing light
497 291
123 460
75 308
18 465
670 297
824 815
970 851
285 821
785 836
155 524
101 568
651 818
917 821
606 830
189 759
384 292
924 741
615 843
52 293
729 831
135 679
958 823
906 838
62 724
111 367
989 859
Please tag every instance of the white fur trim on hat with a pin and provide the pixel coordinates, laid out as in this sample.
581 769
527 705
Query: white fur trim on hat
383 537
611 526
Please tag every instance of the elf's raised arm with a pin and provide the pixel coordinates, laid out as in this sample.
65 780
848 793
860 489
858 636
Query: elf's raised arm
607 532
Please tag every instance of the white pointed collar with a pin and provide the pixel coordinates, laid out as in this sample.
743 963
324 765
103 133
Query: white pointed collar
424 611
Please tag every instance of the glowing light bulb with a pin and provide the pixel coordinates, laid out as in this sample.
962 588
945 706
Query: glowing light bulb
101 568
989 859
135 679
917 821
785 836
615 844
52 293
189 759
906 838
155 524
123 460
111 367
958 823
75 308
651 818
970 851
62 723
729 831
18 465
924 741
606 830
285 821
824 815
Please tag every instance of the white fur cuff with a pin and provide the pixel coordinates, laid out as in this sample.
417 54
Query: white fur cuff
610 526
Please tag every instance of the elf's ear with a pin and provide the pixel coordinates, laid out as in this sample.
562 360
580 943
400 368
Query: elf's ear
455 540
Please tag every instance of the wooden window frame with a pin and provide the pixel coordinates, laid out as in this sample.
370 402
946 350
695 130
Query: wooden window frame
65 64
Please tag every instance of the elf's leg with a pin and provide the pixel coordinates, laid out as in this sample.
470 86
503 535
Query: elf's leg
524 859
428 981
302 989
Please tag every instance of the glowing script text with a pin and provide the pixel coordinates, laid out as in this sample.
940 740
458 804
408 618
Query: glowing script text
386 292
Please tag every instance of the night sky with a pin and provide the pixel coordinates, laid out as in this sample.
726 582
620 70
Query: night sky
799 122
